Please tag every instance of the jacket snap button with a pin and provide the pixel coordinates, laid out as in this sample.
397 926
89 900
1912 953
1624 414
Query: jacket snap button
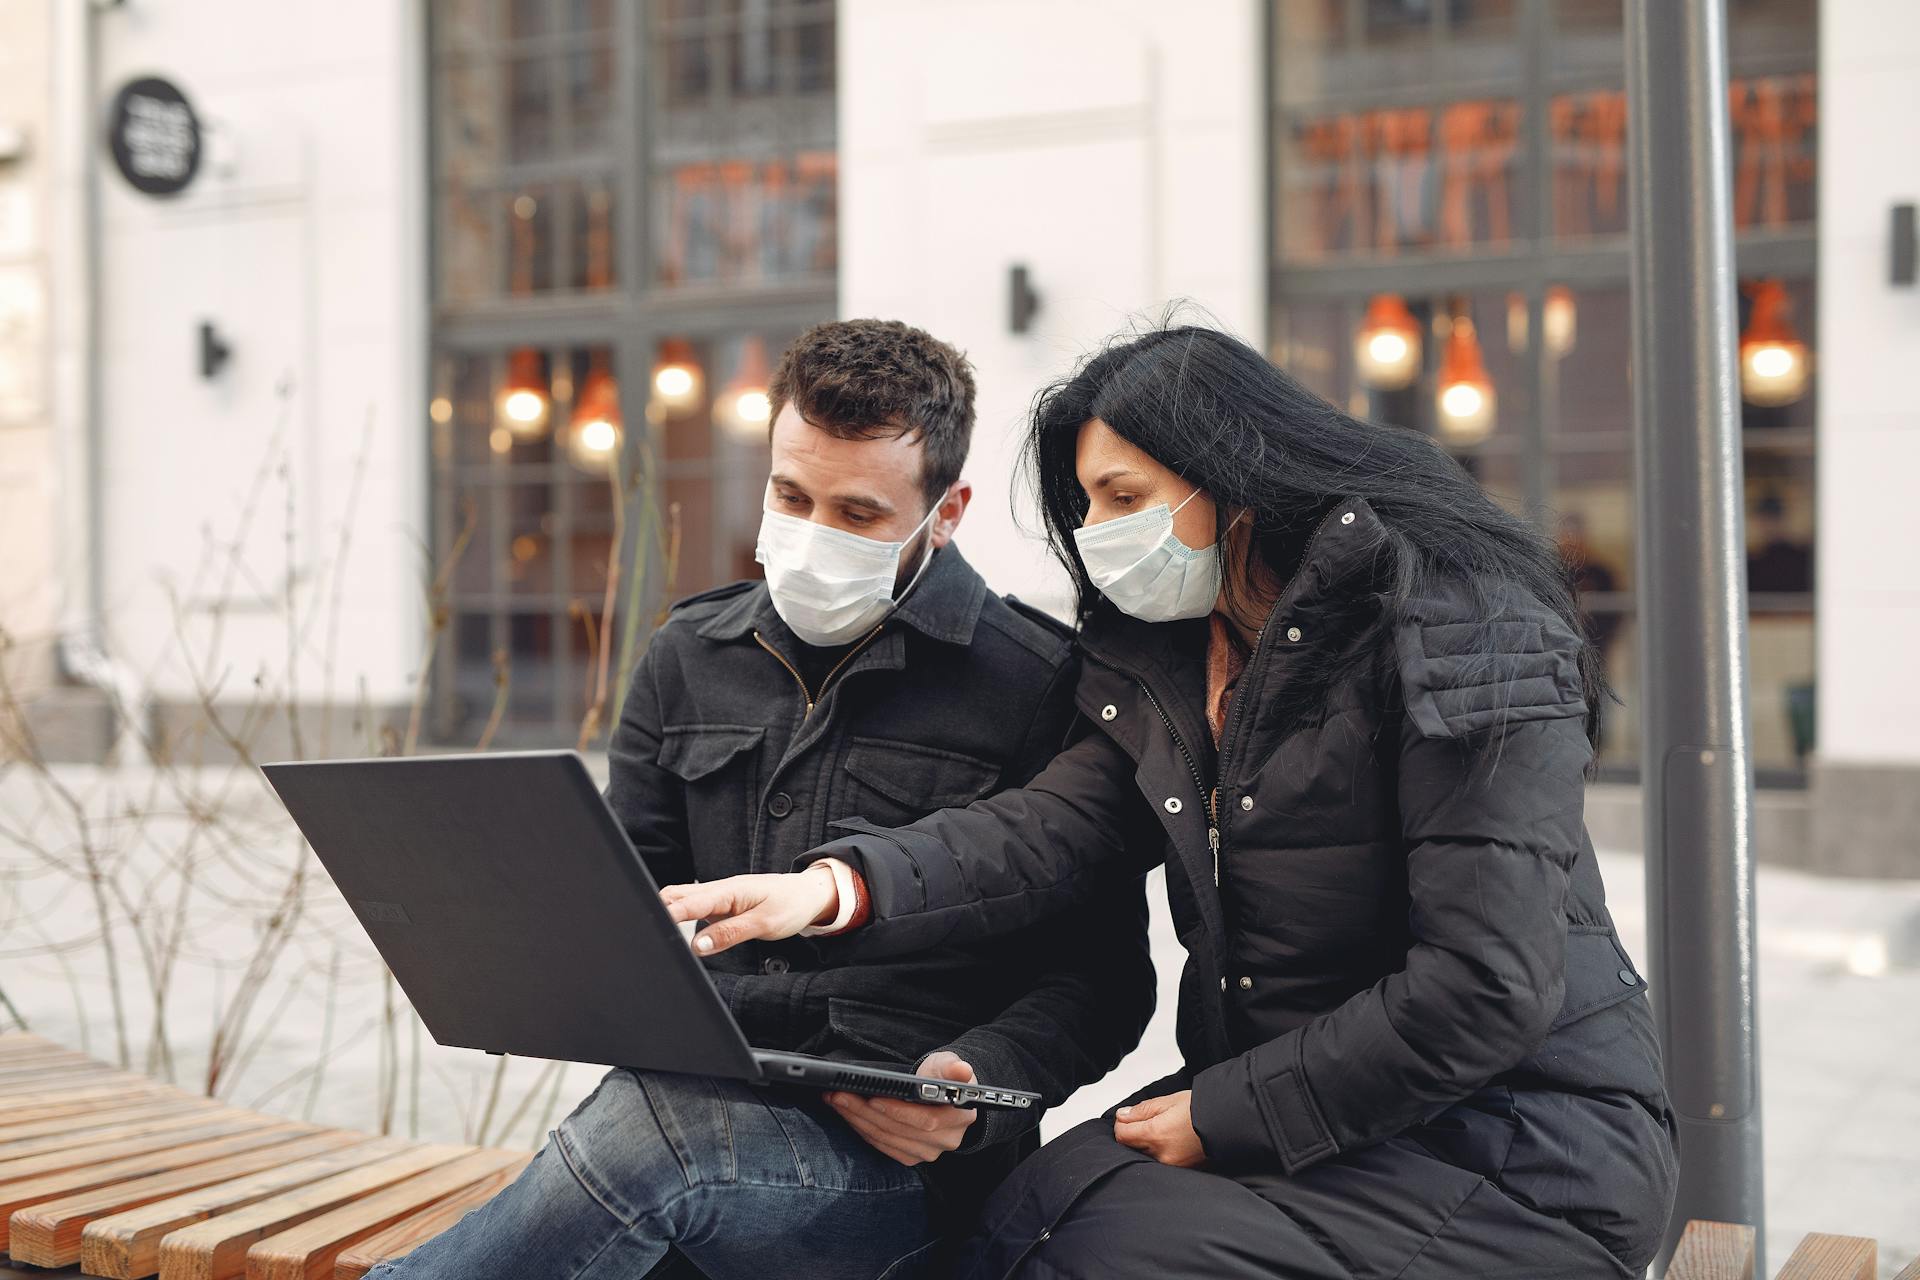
1629 977
1347 518
1109 711
781 805
1223 983
1172 805
1293 634
775 965
1246 802
1246 984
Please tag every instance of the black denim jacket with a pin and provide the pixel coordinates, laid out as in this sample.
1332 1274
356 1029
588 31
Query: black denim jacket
725 762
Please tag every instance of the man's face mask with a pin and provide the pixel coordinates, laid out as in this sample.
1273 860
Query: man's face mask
1140 565
830 586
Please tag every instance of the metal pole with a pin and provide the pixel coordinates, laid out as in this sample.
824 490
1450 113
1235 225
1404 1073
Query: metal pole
1696 755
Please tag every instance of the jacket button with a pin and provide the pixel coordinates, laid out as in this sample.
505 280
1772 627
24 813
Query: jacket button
775 965
781 805
1246 802
1293 634
1172 804
1347 518
1629 977
1223 982
1246 984
1109 711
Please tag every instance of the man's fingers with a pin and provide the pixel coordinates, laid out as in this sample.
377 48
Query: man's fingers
947 1065
715 938
1135 1137
915 1117
1146 1110
904 1151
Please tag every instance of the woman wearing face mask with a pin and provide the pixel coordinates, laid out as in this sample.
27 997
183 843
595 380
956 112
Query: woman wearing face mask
1345 698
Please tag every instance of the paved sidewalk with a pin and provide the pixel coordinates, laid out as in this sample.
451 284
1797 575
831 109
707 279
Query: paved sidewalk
1839 1049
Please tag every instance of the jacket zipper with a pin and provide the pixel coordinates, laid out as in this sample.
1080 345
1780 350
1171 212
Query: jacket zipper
1233 721
804 691
1199 785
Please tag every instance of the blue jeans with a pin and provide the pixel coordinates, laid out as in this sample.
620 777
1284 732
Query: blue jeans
739 1181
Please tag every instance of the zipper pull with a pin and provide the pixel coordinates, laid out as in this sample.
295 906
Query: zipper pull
1213 843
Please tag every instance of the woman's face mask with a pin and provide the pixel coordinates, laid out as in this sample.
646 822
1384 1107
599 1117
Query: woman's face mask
830 586
1142 566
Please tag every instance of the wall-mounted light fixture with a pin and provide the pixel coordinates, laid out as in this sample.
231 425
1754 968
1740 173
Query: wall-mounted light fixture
1906 242
1023 300
13 143
215 351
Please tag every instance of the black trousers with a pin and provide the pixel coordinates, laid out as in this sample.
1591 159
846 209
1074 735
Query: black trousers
1436 1206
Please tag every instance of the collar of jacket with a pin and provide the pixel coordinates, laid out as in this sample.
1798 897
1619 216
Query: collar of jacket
944 605
1335 562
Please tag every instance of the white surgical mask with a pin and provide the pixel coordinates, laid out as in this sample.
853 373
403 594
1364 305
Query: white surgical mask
1140 565
830 586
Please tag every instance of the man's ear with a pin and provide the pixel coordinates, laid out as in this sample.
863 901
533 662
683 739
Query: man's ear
951 508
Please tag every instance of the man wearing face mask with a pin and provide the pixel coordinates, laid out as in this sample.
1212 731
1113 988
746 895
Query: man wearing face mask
869 679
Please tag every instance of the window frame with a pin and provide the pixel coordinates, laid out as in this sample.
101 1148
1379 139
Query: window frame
1532 262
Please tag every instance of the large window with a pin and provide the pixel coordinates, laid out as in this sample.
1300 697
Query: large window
1449 253
633 214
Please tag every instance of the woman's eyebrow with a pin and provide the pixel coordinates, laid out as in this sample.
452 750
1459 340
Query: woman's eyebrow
1106 477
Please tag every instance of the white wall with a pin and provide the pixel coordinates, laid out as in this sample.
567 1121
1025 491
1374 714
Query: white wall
1868 343
28 595
303 242
1113 149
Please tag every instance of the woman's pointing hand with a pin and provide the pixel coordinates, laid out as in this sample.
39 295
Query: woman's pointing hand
742 908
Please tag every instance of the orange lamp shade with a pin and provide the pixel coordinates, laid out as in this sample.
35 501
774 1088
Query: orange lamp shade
1465 397
1386 350
593 435
1774 362
523 404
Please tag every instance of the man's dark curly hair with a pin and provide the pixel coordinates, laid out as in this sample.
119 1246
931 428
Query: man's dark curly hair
861 379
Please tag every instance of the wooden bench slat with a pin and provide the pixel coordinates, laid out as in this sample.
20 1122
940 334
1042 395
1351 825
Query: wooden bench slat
1910 1272
307 1251
212 1124
1713 1251
408 1234
80 1116
13 1110
19 1194
217 1249
48 1234
21 1097
1827 1257
21 1092
126 1245
82 1139
50 1064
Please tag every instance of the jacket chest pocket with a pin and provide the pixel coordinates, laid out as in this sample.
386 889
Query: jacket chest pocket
719 765
892 783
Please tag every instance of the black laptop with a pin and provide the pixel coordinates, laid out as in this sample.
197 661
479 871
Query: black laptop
513 911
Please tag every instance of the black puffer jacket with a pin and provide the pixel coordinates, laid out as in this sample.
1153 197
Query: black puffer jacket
1395 905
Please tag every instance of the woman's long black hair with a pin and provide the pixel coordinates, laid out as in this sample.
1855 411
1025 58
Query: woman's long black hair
1212 409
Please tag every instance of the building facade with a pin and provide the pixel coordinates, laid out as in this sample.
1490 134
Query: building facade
502 282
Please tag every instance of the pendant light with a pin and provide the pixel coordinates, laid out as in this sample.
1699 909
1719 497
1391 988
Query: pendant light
1465 398
523 406
593 434
1560 318
1773 360
744 407
1386 350
676 375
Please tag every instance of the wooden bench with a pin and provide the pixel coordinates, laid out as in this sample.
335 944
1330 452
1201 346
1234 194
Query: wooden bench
107 1173
1724 1251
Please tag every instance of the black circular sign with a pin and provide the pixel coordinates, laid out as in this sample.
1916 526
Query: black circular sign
155 136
